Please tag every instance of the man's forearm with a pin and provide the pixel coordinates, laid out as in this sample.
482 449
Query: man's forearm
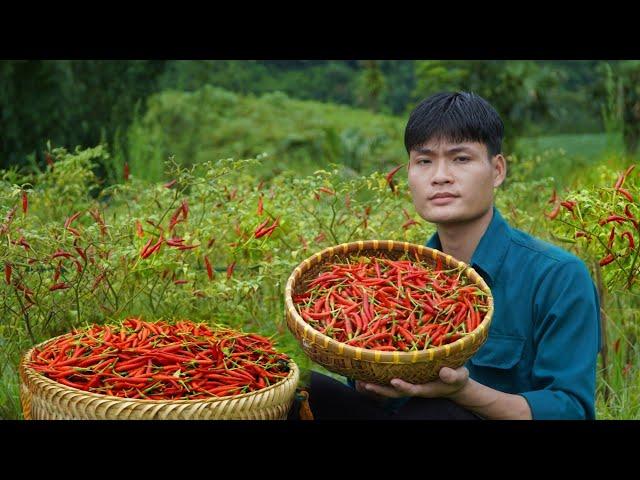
492 404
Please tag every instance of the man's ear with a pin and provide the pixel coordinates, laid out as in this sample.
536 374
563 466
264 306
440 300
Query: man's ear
499 164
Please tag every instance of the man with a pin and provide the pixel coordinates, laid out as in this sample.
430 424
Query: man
539 360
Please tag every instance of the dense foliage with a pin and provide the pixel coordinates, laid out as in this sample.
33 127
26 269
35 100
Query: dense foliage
83 102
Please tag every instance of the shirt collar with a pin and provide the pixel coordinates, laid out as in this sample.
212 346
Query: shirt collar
491 250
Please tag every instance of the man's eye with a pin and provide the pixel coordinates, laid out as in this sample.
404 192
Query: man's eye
424 160
463 159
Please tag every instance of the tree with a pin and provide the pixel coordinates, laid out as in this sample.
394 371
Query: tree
371 85
628 73
70 102
519 90
433 76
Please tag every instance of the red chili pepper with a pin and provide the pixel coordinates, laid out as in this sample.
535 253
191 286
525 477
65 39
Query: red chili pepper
554 197
390 176
569 204
49 160
554 213
99 220
627 212
612 218
153 249
175 218
607 260
75 231
185 209
326 190
70 220
261 226
61 253
60 286
175 241
611 237
7 273
170 184
230 269
629 170
25 202
625 193
146 247
187 247
622 177
619 182
56 274
409 223
260 206
97 280
266 232
24 289
82 253
126 172
208 266
262 231
23 243
629 237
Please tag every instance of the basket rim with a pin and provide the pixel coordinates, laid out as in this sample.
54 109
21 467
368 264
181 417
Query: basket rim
27 371
378 356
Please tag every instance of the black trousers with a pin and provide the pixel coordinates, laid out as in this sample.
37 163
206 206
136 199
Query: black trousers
330 399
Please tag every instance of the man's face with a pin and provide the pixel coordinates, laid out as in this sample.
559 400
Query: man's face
453 182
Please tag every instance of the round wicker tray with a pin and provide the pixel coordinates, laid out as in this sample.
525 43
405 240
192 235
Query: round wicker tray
46 399
376 366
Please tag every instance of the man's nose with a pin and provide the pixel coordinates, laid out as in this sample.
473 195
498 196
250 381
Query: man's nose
442 173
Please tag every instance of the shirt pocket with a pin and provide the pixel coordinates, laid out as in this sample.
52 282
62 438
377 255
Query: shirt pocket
499 351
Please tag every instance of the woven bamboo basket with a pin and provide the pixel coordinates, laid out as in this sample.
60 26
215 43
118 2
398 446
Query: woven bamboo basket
376 366
46 399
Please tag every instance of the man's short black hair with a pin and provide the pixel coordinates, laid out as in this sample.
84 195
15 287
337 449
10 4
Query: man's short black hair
455 117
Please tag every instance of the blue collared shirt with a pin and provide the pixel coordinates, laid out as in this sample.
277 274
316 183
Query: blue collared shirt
544 337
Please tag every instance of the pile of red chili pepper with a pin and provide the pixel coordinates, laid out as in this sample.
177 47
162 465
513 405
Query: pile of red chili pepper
161 361
392 305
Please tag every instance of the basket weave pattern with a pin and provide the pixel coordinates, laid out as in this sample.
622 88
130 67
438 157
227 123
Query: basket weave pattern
376 366
46 399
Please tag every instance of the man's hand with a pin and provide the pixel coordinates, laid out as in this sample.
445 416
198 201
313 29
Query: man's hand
457 386
362 388
450 383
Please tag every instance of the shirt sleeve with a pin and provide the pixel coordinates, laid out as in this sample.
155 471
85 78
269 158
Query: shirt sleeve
566 335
